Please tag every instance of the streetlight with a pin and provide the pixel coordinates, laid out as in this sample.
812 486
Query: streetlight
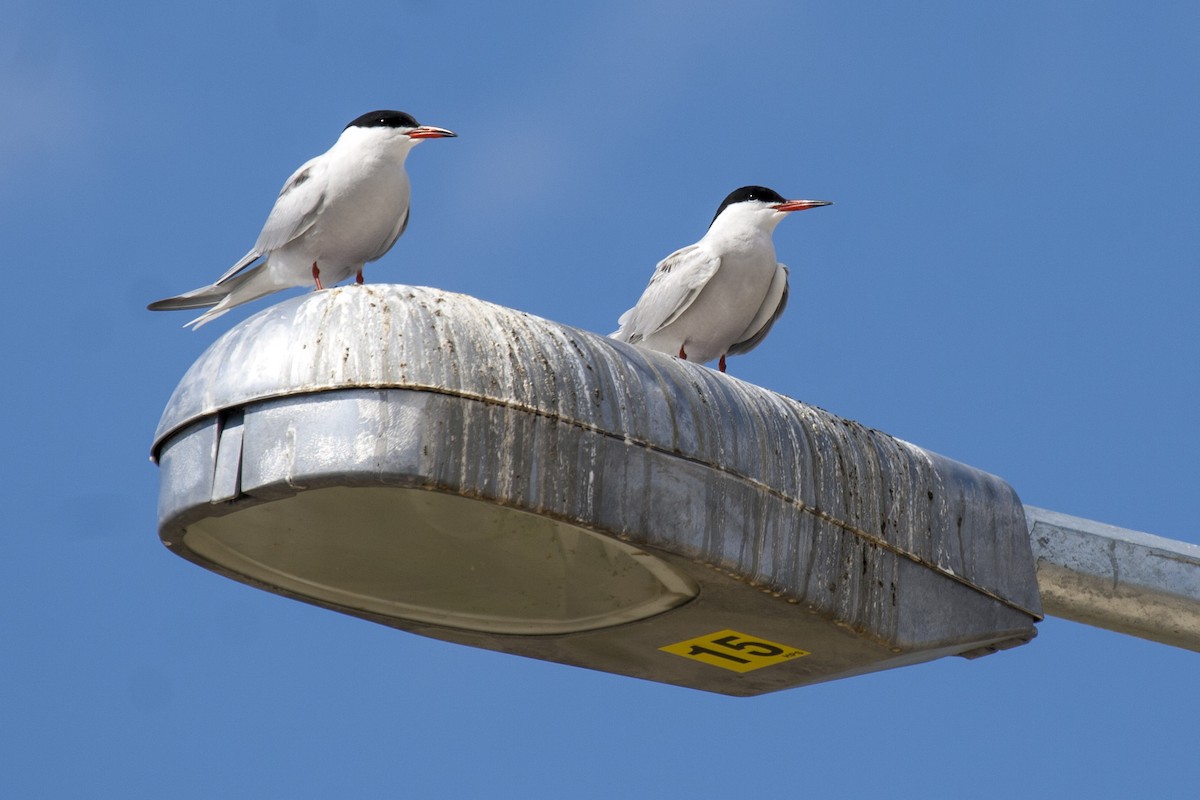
468 472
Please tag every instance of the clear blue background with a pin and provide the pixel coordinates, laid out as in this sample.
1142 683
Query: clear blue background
1009 277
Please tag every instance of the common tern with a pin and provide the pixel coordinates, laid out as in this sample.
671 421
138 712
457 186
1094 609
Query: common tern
340 210
721 295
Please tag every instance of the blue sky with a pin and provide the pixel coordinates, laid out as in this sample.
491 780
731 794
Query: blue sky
1009 277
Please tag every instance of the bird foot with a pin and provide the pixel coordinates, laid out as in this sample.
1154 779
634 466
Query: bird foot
682 354
721 363
317 276
359 278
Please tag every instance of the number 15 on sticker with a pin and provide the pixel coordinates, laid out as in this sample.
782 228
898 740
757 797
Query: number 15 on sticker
735 651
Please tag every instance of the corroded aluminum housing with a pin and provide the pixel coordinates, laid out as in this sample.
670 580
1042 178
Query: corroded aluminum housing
790 525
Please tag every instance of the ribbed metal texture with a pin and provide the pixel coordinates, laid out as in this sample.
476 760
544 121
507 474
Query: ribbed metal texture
905 547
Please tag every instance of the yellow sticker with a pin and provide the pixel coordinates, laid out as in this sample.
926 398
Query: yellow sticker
739 652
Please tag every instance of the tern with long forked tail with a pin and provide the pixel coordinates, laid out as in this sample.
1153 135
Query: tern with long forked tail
721 295
339 211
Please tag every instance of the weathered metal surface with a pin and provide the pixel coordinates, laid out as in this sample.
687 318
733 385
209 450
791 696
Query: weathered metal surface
795 522
1118 579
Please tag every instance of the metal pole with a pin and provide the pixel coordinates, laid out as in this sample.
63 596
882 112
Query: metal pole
1126 581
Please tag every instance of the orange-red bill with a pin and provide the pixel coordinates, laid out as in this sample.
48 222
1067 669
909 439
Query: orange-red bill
429 132
800 205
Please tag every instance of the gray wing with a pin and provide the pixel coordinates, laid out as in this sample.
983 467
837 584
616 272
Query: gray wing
677 281
296 208
401 225
773 305
206 296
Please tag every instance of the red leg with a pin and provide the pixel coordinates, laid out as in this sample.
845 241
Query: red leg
359 279
682 354
721 364
317 276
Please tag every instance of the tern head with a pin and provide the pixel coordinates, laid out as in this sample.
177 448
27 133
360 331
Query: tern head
758 205
396 125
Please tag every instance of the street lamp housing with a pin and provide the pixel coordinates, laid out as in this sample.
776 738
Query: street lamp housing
468 472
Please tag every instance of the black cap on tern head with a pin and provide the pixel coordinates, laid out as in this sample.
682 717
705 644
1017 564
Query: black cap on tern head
745 193
384 119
